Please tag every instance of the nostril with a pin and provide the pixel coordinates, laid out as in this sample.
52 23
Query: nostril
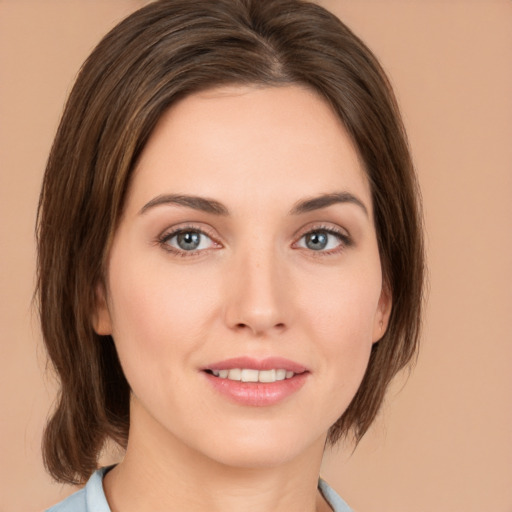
280 326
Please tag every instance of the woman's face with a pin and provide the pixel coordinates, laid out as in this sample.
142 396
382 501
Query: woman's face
244 286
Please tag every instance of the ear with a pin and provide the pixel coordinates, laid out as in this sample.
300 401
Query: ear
101 320
383 313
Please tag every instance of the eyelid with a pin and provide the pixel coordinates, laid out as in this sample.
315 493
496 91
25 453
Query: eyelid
171 232
342 234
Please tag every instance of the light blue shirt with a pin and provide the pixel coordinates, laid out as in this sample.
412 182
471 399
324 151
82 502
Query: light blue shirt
92 498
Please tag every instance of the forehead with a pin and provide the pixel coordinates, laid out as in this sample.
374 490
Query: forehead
249 142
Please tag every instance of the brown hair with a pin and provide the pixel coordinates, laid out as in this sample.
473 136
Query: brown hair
159 54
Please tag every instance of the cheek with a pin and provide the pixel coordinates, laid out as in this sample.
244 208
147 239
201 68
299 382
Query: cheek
340 317
344 307
344 335
156 312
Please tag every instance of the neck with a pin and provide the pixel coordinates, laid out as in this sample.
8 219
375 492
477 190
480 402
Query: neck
159 473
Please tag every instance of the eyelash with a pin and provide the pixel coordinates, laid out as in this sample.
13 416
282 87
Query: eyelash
344 239
163 241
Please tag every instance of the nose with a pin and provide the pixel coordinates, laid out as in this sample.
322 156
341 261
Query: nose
258 295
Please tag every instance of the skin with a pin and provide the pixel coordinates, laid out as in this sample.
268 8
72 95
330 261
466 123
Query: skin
253 288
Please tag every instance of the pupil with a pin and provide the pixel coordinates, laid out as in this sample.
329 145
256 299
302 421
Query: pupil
316 241
189 240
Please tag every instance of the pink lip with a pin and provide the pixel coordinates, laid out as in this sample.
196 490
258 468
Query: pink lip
258 364
257 394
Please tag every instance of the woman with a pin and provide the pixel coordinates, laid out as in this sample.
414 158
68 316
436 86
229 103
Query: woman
230 257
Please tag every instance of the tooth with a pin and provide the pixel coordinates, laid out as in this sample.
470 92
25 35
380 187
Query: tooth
249 375
267 376
235 374
280 374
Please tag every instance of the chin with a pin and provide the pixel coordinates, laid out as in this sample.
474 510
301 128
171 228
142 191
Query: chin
262 449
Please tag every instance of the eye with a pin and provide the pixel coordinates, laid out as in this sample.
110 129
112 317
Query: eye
323 240
187 240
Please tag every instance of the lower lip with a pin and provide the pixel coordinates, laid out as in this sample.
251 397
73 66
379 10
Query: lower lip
257 394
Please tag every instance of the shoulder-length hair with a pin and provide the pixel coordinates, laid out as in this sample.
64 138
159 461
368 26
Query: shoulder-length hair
158 55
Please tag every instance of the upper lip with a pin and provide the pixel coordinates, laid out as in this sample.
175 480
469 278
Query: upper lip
250 363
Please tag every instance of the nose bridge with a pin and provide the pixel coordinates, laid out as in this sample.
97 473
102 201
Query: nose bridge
258 290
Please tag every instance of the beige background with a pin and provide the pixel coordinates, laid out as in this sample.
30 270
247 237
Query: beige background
444 441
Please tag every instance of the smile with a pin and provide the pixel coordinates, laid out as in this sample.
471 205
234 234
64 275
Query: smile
252 375
256 382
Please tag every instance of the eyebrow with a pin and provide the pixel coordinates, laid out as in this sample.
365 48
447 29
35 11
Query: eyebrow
215 207
325 200
195 202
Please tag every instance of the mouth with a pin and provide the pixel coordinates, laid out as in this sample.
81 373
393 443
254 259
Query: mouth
253 382
253 375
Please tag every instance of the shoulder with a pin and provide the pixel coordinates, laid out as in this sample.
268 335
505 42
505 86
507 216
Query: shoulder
332 497
89 499
74 503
